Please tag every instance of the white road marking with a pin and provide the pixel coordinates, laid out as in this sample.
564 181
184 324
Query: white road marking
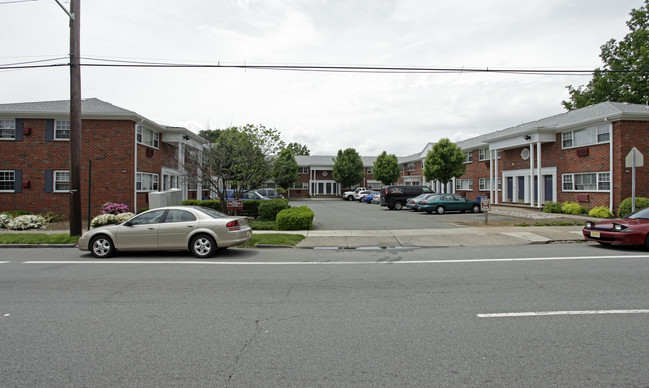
207 262
4 262
548 313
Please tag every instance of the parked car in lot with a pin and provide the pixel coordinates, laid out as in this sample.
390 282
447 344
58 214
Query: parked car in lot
629 230
252 194
361 194
395 197
175 228
411 203
268 193
351 195
448 202
368 198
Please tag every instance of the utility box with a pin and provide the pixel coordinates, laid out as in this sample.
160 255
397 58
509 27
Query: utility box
171 197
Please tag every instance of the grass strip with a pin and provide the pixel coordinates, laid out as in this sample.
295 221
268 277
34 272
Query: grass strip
274 239
37 238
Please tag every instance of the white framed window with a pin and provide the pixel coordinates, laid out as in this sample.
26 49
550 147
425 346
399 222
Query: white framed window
7 180
597 134
61 181
369 170
146 182
464 184
302 170
411 167
62 130
7 129
469 157
592 181
485 184
147 137
300 186
483 154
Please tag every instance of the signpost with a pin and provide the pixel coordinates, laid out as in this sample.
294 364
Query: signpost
634 159
234 204
485 205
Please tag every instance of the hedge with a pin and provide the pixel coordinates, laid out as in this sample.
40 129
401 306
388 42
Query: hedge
268 209
250 206
295 218
625 206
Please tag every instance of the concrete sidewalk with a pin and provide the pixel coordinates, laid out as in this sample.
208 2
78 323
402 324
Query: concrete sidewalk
464 236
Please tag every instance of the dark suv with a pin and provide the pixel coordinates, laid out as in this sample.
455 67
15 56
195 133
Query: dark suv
394 197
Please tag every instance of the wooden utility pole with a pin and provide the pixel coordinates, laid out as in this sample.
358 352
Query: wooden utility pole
75 118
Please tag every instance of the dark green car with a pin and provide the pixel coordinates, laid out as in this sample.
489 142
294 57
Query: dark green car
448 202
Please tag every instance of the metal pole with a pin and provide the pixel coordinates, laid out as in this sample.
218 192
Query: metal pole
75 119
89 189
633 184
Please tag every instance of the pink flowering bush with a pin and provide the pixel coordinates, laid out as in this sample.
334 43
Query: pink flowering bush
114 208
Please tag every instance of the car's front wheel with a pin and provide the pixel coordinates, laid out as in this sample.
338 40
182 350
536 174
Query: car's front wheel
350 197
203 246
646 242
102 247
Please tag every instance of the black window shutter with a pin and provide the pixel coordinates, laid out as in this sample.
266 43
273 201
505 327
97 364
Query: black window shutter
19 130
48 181
18 181
49 129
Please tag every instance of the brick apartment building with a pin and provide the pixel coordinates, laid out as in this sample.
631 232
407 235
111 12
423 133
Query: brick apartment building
575 156
124 156
578 156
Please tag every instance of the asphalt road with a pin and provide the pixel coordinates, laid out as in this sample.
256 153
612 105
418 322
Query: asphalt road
352 215
335 318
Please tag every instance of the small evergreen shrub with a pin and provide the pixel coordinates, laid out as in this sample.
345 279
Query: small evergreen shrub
16 213
600 212
625 206
570 207
295 218
552 207
268 209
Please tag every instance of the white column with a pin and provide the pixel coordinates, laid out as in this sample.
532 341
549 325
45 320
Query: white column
531 175
538 174
491 175
495 200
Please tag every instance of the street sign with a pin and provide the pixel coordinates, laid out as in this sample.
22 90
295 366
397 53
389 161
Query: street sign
485 204
234 204
639 159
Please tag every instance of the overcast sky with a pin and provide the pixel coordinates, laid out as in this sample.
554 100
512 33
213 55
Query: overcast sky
398 113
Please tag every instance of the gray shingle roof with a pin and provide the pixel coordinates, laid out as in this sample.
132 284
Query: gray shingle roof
88 106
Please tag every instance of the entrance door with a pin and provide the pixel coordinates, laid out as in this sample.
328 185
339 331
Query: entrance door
510 189
548 185
521 189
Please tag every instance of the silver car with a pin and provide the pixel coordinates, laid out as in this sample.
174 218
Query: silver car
175 228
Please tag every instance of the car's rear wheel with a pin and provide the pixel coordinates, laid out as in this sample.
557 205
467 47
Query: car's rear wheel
203 246
102 247
646 242
440 210
475 209
398 205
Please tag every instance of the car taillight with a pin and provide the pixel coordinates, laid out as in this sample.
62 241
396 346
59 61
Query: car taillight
233 225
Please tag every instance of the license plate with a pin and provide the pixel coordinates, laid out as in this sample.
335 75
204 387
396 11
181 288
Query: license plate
594 234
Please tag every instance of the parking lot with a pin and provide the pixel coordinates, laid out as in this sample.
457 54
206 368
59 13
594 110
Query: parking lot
337 214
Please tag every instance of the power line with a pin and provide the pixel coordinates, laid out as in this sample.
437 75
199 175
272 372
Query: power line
311 68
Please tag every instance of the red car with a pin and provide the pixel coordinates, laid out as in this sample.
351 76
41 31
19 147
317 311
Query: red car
630 230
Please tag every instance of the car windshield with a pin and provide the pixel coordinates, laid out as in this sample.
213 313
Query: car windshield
642 214
210 212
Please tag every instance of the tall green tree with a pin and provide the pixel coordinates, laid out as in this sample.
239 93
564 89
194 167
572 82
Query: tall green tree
625 74
386 168
299 149
348 167
444 162
285 169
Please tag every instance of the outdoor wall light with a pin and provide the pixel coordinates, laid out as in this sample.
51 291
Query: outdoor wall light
527 137
186 137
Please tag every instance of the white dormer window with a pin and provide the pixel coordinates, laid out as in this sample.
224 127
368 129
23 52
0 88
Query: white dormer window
147 137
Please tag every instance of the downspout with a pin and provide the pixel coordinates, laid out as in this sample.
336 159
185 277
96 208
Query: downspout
611 171
135 171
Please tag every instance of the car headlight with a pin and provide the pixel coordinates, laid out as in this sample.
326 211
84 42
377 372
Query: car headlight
589 225
622 228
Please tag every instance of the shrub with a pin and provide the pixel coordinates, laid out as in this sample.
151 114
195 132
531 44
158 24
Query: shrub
600 212
25 222
295 218
268 209
114 208
552 207
4 220
107 219
625 206
16 213
570 207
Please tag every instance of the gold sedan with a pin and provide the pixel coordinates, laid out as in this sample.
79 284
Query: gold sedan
175 228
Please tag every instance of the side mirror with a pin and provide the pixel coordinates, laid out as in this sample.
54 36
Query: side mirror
127 223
